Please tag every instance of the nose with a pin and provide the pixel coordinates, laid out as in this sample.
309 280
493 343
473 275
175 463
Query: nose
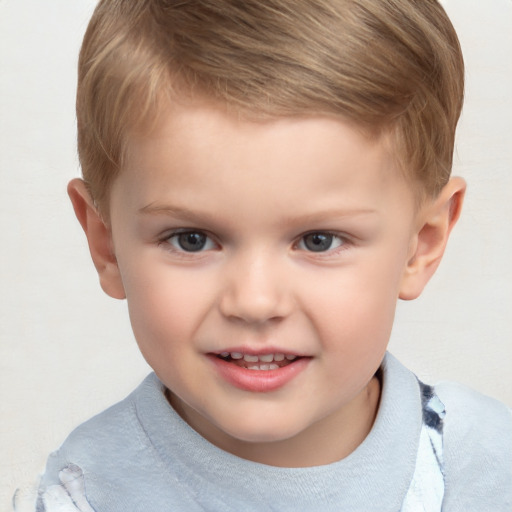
255 290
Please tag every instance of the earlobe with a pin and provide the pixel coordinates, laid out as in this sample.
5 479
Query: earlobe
429 243
99 238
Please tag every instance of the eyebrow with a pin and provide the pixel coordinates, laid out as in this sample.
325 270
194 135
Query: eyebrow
188 214
174 211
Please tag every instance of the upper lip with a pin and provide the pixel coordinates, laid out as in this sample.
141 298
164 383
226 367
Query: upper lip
258 352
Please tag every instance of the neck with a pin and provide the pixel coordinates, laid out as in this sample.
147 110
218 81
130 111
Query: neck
329 440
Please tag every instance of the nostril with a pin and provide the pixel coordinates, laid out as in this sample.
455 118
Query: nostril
255 300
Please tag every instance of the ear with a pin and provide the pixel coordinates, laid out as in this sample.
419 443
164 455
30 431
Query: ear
99 237
436 221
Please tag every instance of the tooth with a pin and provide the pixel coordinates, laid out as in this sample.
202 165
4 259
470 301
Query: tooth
290 357
251 359
278 357
236 355
267 358
269 367
263 367
224 354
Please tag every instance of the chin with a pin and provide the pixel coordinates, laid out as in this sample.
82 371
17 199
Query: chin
261 431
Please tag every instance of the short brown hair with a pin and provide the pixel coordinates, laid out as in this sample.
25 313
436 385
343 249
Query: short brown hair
393 64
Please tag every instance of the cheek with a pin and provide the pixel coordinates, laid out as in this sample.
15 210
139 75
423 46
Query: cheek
166 307
358 326
355 307
164 322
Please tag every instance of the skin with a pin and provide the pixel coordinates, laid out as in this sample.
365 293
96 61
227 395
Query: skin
256 189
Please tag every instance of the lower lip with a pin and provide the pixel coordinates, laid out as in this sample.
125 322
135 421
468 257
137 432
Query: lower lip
259 381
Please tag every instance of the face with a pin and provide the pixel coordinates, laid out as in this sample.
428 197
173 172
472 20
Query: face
262 262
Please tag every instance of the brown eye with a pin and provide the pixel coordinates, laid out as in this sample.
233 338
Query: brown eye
320 242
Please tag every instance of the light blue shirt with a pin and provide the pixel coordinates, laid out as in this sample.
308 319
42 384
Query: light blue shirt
140 455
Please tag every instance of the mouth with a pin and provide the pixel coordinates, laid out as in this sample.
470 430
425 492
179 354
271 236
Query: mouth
259 372
262 362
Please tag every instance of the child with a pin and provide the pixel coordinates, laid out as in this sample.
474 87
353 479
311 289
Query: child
262 182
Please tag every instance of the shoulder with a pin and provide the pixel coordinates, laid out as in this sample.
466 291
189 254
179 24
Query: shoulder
107 446
477 449
472 415
111 432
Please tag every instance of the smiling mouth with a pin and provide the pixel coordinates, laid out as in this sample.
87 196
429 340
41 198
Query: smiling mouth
265 362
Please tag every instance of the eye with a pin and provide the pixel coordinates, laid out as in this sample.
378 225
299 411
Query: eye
320 242
190 241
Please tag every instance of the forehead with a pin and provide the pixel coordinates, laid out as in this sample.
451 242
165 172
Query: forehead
203 148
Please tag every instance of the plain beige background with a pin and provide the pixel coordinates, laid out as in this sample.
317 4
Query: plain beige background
66 350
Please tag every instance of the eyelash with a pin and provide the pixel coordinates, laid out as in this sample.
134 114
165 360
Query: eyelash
168 241
343 242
